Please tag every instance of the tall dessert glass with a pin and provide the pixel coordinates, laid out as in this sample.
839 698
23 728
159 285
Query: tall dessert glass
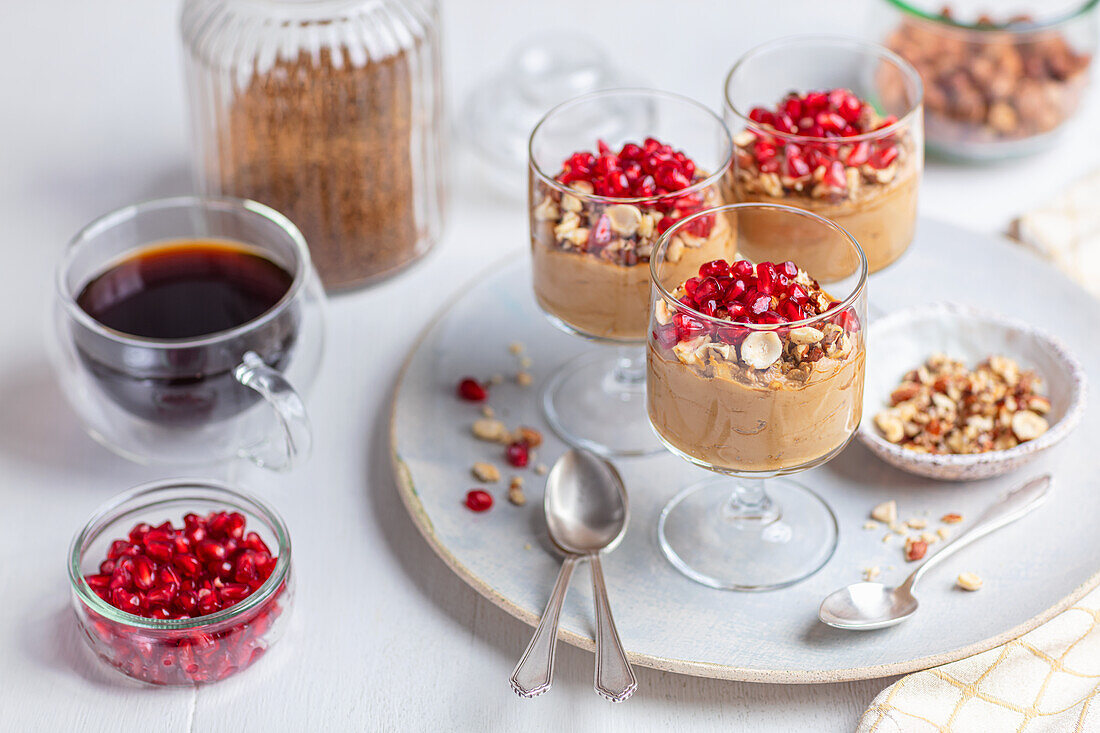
755 372
832 125
609 173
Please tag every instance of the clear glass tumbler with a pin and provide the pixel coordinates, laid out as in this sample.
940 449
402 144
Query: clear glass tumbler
609 172
180 651
755 372
832 125
200 400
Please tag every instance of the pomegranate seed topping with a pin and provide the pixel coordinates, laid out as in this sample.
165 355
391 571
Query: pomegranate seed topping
478 500
860 153
834 175
883 157
635 171
471 390
601 233
144 572
517 454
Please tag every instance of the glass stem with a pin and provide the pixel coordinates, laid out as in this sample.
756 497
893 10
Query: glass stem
749 502
630 367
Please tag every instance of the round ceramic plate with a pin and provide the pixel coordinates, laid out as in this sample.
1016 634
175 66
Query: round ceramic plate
1032 569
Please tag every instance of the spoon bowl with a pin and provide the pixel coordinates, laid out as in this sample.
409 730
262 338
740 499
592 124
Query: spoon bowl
585 504
867 606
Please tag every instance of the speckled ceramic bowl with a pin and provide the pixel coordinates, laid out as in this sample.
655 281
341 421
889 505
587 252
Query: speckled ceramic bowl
902 340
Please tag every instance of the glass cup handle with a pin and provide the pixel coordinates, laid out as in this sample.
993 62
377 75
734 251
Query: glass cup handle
291 413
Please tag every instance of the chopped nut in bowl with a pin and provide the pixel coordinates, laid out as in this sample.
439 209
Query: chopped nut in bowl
959 394
996 85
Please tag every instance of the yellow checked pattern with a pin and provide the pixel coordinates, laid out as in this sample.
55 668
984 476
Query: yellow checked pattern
1045 681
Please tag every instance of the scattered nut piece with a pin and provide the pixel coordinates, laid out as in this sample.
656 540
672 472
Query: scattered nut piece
524 379
886 512
915 549
490 430
496 379
943 533
530 436
515 491
526 362
527 546
951 518
516 348
968 581
486 472
487 411
917 523
870 525
929 538
870 573
886 537
541 469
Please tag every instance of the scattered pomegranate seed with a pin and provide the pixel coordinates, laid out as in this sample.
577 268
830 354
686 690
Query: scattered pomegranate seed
471 390
478 500
517 454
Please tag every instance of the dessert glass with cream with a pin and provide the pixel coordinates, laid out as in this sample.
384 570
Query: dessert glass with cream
610 172
755 371
833 126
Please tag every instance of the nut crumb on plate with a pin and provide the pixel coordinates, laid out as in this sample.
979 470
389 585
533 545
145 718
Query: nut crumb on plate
871 573
524 379
951 518
915 549
968 581
886 512
486 472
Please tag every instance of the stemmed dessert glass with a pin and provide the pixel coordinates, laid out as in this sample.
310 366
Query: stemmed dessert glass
756 401
609 171
832 125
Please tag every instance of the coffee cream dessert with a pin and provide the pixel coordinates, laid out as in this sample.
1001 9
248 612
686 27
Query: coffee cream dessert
839 169
743 391
591 253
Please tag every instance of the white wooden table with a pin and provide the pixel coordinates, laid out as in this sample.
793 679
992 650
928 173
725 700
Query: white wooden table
383 637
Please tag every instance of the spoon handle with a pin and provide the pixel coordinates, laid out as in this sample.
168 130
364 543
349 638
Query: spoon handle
1008 509
615 679
534 673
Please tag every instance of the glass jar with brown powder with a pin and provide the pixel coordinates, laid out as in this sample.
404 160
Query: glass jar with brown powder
329 111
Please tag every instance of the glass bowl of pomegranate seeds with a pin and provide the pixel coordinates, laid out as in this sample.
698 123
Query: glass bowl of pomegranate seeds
181 582
995 85
833 126
609 172
755 372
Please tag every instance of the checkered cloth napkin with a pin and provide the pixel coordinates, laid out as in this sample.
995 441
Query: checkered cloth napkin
1048 679
1045 681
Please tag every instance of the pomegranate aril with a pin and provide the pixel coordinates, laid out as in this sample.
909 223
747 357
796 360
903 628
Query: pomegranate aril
209 550
850 108
186 601
835 176
139 531
714 268
688 327
859 154
160 596
741 269
236 525
144 572
471 390
188 565
797 167
883 157
792 107
761 116
254 542
601 233
107 567
707 289
244 568
759 304
517 454
125 600
478 500
118 549
98 583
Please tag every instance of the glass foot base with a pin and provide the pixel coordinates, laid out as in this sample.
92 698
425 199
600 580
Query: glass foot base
589 408
703 540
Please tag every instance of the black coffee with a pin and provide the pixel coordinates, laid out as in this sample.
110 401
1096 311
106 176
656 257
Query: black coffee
185 290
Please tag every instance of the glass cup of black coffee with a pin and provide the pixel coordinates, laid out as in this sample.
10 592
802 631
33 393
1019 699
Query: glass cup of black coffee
181 326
